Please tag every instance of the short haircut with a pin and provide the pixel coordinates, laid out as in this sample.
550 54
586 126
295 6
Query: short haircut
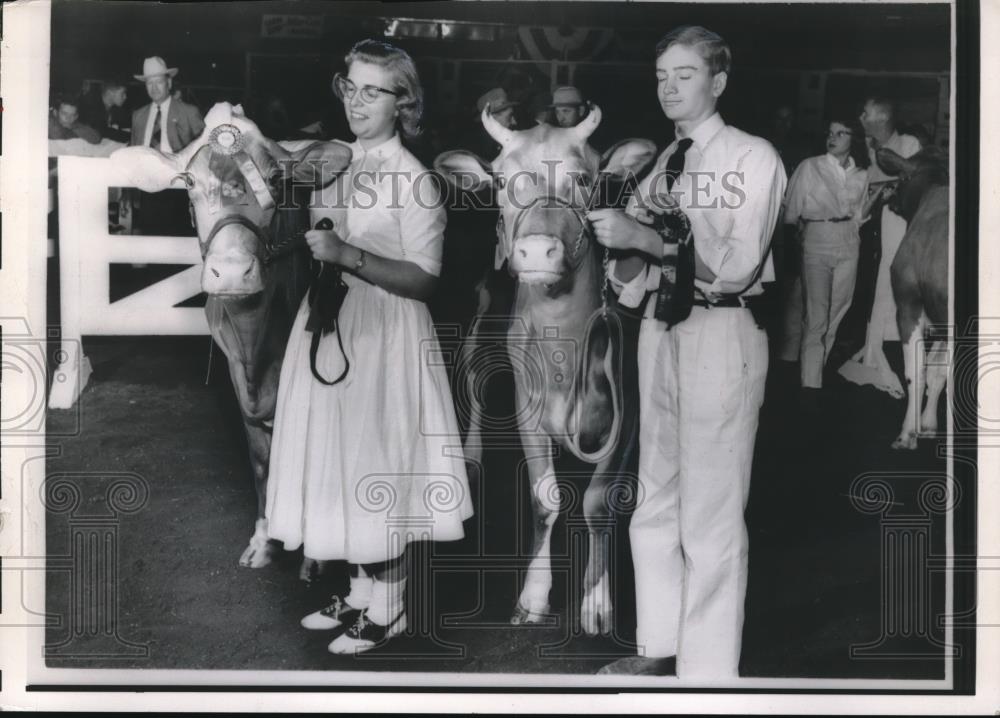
709 45
65 98
114 84
886 104
410 101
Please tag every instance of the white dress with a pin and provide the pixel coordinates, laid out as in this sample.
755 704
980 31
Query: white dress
360 469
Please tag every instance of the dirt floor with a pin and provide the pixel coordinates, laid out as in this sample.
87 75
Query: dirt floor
179 599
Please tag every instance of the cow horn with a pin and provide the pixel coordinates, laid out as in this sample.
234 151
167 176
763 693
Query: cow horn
497 131
589 123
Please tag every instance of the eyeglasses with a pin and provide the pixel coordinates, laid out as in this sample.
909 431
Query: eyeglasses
840 133
369 93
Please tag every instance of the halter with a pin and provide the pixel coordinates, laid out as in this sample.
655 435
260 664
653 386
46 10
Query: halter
576 254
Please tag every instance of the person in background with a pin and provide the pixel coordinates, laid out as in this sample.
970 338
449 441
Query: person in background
826 203
167 124
103 109
568 105
64 121
869 365
362 467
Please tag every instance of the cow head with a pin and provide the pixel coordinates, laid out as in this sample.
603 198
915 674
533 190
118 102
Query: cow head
235 178
916 174
545 178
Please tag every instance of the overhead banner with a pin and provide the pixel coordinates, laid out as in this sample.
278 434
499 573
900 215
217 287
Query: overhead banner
564 43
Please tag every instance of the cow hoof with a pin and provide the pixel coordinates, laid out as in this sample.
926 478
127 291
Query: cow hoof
596 621
906 442
596 610
524 615
258 554
310 570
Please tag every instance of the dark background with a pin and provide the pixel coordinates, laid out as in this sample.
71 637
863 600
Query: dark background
816 57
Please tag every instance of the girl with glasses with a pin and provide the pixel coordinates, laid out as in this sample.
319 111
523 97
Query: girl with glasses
361 468
826 200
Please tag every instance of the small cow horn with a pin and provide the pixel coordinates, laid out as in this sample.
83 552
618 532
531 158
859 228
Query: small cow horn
497 131
589 123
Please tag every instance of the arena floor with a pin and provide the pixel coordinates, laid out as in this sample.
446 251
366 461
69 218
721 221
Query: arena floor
181 601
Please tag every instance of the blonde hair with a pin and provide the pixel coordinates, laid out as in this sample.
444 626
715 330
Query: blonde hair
410 100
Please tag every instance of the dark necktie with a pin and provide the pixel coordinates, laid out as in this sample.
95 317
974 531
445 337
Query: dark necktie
675 296
154 140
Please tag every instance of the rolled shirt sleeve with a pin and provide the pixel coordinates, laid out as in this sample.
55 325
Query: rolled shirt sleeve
631 293
734 244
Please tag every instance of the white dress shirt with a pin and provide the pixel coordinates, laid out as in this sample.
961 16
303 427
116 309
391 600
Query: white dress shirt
731 191
164 142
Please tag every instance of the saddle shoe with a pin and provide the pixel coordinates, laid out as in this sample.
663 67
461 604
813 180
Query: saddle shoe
365 635
639 666
338 613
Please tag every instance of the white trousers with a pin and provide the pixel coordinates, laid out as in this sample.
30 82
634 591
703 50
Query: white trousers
829 273
701 387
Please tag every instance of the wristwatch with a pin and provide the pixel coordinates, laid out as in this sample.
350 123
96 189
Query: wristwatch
360 261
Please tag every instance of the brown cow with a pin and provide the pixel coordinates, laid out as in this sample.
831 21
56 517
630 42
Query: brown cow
560 341
241 187
919 274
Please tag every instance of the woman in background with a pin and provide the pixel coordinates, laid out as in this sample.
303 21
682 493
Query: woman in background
826 201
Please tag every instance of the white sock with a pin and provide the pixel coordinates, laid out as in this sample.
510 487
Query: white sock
386 601
361 592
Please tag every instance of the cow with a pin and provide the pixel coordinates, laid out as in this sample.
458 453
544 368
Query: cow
561 339
919 276
249 202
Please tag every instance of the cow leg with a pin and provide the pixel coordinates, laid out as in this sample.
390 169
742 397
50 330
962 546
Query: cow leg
533 603
261 549
913 366
936 375
596 611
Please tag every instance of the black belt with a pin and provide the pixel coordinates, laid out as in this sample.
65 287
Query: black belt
832 219
737 302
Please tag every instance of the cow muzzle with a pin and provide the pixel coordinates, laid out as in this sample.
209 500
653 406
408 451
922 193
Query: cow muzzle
538 259
231 269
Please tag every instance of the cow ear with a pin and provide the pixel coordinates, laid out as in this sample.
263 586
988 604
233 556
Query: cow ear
465 170
148 169
319 163
628 157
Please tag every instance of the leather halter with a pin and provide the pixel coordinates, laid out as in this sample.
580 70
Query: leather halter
575 253
262 235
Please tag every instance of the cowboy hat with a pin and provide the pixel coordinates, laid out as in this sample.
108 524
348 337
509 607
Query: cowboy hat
496 99
154 67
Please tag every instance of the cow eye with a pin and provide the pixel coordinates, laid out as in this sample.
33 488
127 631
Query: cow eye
582 180
187 179
501 182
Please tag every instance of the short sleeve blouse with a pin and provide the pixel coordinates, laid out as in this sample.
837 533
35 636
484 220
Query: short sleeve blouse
386 203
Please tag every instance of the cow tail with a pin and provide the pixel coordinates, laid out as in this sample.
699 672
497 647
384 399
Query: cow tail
612 364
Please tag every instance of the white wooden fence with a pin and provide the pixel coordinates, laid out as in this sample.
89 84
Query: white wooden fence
86 253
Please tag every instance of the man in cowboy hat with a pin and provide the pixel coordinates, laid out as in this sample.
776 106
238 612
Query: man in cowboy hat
569 105
167 123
